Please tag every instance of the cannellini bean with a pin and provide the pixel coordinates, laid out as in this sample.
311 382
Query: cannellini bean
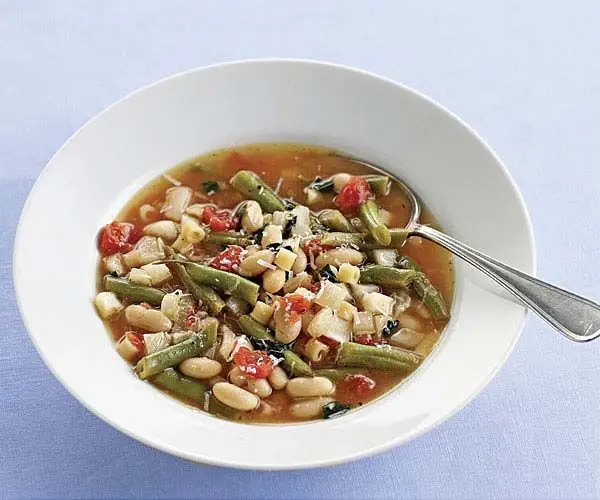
340 180
237 377
148 213
250 266
252 219
300 262
260 387
177 200
234 397
307 387
165 229
338 256
278 378
273 280
271 234
202 368
407 320
108 305
301 280
150 320
309 408
286 331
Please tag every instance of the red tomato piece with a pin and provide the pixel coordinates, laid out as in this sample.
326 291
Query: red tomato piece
219 220
118 237
295 304
229 259
315 247
353 194
357 386
331 343
315 287
369 340
254 364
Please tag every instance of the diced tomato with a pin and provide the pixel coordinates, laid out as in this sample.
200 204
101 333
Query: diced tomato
295 304
315 287
356 387
254 364
331 343
353 194
229 259
219 220
369 340
315 247
118 237
191 319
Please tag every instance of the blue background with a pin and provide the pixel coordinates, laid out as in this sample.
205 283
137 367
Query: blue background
526 75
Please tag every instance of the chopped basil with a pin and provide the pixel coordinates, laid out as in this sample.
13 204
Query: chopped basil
322 185
328 273
390 328
273 246
210 187
289 225
334 409
274 348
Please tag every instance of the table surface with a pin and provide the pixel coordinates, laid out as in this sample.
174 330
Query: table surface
524 74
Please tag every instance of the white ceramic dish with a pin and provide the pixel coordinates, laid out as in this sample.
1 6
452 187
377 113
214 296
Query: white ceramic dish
105 162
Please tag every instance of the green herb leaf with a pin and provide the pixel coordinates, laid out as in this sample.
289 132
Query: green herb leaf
334 409
210 187
322 185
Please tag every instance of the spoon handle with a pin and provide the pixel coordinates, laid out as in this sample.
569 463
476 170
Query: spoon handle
576 317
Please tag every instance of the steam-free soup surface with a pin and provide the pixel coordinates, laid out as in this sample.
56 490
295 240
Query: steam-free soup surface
256 283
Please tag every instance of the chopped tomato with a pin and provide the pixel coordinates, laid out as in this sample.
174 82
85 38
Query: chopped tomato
254 364
368 340
315 247
191 319
315 287
219 220
353 194
357 387
295 304
118 237
229 259
331 343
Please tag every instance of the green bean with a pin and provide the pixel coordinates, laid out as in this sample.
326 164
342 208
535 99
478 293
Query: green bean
337 374
171 356
295 366
137 293
209 329
369 215
430 296
222 410
379 184
251 186
232 238
206 295
180 386
334 219
394 353
253 328
374 362
387 276
230 283
362 240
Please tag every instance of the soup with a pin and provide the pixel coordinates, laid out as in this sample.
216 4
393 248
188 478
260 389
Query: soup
272 283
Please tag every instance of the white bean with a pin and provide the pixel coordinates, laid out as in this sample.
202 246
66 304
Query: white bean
286 330
150 320
234 397
273 280
148 213
177 200
278 378
300 262
250 266
307 387
260 387
236 377
340 180
202 368
338 256
309 408
165 229
252 219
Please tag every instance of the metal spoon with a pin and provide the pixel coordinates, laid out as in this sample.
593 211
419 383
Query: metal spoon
576 317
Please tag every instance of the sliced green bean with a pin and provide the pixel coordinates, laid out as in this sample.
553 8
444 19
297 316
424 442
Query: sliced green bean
206 295
171 356
379 184
137 293
387 276
337 374
430 295
387 352
362 240
222 410
180 386
210 327
230 283
295 365
252 186
374 362
334 219
232 238
253 328
369 215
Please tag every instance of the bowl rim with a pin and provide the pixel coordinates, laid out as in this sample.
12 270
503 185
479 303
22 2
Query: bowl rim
392 443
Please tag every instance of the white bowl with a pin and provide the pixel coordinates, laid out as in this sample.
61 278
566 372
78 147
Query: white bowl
104 163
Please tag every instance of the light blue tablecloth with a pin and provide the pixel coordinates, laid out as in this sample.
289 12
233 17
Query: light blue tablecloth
526 75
